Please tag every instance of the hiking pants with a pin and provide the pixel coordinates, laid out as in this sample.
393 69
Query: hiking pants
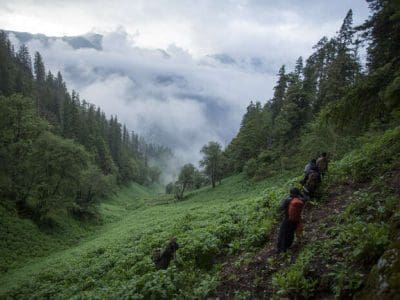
286 234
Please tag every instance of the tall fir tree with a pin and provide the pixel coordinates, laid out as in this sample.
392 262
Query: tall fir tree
38 68
279 92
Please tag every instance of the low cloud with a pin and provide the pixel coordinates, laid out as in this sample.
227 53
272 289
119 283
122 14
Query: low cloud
178 74
168 96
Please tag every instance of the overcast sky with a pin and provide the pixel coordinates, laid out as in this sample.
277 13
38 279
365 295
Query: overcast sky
209 26
182 96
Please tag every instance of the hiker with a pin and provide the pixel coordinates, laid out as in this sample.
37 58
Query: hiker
322 163
310 167
312 164
292 207
312 183
162 257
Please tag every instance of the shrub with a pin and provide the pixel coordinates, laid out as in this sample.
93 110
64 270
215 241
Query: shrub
293 283
365 241
374 157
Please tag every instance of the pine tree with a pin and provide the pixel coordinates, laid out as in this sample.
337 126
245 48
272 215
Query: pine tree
298 69
295 110
341 65
346 32
382 29
60 84
39 71
24 78
310 82
24 58
279 92
7 68
375 97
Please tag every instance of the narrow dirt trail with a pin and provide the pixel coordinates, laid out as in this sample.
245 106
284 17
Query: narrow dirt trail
255 277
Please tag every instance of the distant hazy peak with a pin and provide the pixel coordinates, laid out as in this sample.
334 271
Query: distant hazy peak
89 40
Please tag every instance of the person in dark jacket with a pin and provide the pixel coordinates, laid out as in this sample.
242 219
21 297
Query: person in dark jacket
312 183
312 164
292 207
308 169
322 163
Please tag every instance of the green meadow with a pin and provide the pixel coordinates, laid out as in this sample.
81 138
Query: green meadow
114 258
111 258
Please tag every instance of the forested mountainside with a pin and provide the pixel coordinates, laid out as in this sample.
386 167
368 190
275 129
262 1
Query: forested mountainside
327 101
346 88
214 233
58 150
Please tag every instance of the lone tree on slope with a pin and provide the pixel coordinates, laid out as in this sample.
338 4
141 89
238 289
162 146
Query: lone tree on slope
212 161
185 180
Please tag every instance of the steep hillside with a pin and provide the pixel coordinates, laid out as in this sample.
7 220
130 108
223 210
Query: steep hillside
81 215
352 229
231 228
21 240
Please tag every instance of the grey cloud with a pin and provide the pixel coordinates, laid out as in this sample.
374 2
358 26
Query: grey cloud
168 96
178 72
277 29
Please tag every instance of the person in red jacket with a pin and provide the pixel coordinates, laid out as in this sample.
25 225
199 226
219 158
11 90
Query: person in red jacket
292 207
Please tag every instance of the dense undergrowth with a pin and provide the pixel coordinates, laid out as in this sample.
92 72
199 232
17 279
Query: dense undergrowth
329 104
116 262
340 264
210 224
21 239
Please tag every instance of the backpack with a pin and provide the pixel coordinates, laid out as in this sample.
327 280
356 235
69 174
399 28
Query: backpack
322 164
312 181
295 209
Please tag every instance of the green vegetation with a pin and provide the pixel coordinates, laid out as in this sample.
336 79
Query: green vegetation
115 260
340 263
191 178
64 234
236 217
58 152
326 103
212 162
185 180
22 240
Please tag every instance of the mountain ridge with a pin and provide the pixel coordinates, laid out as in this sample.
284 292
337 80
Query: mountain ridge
88 40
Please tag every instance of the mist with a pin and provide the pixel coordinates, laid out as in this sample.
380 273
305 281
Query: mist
186 80
166 95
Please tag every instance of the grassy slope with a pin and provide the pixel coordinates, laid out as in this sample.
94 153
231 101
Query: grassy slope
21 240
119 253
354 225
235 217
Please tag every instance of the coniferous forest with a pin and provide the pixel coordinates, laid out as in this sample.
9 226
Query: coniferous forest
327 101
58 150
84 212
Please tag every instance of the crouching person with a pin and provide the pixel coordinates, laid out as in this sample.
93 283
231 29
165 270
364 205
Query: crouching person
292 207
163 257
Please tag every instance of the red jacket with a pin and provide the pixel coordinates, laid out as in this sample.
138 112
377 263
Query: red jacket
294 210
